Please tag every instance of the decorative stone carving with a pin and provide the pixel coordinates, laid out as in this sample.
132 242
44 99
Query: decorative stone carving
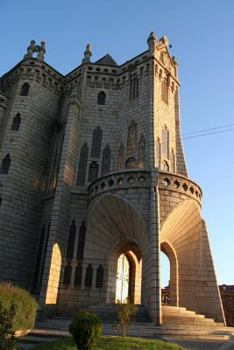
132 137
33 48
131 163
87 54
141 152
120 157
106 160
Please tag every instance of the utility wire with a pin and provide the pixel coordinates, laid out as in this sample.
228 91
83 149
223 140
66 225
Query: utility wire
209 129
207 134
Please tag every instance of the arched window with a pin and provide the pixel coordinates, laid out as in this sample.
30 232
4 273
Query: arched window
81 242
89 276
132 137
99 277
93 172
16 122
25 89
67 274
106 160
101 98
165 142
120 157
5 166
141 152
96 142
131 163
71 240
82 165
78 275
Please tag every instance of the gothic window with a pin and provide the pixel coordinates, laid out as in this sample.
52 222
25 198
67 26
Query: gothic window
24 89
67 274
120 157
172 161
158 153
101 98
106 159
81 242
78 275
16 122
165 90
93 172
141 152
82 165
131 163
71 240
134 87
165 142
165 166
99 277
89 276
132 137
5 166
96 142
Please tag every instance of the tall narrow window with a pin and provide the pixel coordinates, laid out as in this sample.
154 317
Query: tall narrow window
99 277
16 122
132 137
89 276
141 152
101 98
71 240
81 242
96 142
106 160
165 90
120 157
93 172
5 166
67 274
24 89
78 275
158 153
134 87
82 165
165 142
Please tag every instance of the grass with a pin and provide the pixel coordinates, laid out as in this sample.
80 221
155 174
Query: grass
113 343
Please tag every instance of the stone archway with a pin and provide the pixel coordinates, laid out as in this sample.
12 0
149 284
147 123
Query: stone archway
116 227
169 251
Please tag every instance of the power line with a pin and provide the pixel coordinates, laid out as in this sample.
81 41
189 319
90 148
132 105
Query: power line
203 130
207 134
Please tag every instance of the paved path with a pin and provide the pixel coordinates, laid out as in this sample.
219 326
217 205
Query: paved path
202 344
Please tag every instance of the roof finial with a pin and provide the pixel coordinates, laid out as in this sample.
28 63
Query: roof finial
87 54
152 39
39 49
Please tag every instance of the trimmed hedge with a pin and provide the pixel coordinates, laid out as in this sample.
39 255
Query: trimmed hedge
23 304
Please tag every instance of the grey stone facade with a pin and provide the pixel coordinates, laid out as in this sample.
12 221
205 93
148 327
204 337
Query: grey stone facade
95 169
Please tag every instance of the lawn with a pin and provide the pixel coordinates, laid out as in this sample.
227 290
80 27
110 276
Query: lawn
113 343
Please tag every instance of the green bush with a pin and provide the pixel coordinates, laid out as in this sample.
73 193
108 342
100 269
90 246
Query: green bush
23 304
125 314
7 338
86 329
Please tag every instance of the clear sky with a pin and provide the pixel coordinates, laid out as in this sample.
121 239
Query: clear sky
202 36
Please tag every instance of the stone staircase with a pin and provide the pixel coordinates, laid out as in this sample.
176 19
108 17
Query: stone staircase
108 313
172 315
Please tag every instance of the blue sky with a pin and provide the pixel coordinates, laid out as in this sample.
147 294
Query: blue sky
201 33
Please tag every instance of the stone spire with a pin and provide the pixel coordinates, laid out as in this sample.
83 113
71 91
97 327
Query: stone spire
87 54
33 48
152 40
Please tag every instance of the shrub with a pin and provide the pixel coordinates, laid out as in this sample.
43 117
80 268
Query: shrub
23 304
125 314
7 338
86 329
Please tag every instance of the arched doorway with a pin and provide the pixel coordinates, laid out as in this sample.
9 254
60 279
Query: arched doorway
122 279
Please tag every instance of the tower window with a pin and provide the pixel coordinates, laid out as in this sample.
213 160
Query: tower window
71 240
25 89
96 142
16 122
93 172
165 91
82 165
99 277
101 98
165 142
5 166
134 87
106 159
89 276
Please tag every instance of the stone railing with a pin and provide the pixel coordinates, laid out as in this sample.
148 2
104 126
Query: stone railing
179 184
119 181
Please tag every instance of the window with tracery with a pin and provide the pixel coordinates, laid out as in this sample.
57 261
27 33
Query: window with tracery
82 165
96 142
